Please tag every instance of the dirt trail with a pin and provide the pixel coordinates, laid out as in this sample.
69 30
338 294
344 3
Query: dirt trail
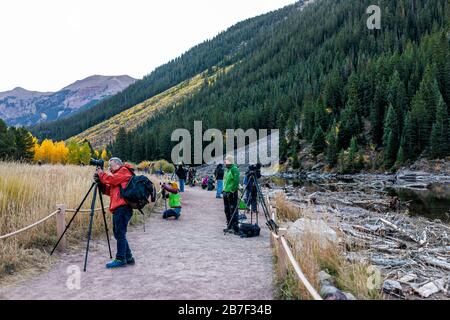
186 259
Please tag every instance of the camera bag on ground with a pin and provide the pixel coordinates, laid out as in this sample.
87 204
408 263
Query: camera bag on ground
249 230
137 192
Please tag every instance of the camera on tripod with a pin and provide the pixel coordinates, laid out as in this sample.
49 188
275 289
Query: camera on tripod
254 170
98 163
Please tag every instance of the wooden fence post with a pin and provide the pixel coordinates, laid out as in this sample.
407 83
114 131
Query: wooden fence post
61 225
282 258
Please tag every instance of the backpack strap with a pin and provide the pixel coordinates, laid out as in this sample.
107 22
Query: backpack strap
120 185
131 171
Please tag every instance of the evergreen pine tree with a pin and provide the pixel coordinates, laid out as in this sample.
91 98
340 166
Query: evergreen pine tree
318 144
439 139
397 98
350 125
391 137
352 153
332 148
409 139
121 145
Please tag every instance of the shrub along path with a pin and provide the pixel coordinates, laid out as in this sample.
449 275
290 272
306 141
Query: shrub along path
186 259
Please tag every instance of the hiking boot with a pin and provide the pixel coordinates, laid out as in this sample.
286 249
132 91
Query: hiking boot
131 261
116 263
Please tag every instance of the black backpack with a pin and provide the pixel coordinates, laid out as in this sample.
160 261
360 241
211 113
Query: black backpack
137 192
249 230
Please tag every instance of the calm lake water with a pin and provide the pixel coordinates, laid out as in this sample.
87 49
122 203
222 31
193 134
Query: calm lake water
432 202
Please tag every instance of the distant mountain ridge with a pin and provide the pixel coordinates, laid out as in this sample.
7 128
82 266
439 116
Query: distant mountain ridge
21 107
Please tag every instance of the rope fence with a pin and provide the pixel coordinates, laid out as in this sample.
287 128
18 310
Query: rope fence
285 256
29 227
60 222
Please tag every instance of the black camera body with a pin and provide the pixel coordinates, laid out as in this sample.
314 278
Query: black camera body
98 163
254 170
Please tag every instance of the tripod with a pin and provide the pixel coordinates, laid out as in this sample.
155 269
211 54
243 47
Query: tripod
96 187
259 198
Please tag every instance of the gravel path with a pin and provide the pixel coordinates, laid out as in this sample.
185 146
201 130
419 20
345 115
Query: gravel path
186 259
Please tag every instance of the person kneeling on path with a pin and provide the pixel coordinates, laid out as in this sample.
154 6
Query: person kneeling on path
230 195
174 201
110 182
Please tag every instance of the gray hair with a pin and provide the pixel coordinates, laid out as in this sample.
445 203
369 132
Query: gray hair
116 160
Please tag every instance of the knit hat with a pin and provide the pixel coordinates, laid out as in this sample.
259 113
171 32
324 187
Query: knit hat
229 159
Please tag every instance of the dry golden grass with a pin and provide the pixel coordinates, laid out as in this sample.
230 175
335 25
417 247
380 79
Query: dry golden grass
286 211
314 253
29 193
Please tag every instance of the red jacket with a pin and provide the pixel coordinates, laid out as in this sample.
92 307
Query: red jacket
112 182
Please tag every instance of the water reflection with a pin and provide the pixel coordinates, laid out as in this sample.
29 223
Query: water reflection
433 202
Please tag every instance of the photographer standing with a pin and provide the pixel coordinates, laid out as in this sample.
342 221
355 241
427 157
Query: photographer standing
119 174
218 174
181 174
230 195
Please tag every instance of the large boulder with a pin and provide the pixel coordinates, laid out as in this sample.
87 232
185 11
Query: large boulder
318 228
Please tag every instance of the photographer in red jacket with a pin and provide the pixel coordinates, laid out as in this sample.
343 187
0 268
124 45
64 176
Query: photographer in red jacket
118 175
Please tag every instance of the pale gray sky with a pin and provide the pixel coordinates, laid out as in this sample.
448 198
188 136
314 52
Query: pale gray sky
48 44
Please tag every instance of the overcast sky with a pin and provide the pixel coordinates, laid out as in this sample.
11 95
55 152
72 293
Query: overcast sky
48 44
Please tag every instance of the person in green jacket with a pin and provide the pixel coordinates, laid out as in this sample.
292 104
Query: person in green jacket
230 195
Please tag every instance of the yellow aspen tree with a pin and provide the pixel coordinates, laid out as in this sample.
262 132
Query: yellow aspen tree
60 153
104 155
47 148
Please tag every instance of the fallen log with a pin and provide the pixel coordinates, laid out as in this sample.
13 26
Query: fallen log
402 231
435 262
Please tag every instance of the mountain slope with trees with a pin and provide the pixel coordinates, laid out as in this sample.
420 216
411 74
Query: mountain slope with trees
322 76
223 50
100 135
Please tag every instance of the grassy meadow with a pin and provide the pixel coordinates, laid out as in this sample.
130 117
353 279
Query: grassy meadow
29 193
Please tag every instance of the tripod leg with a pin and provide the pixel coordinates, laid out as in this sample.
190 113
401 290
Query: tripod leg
90 228
73 217
270 223
104 220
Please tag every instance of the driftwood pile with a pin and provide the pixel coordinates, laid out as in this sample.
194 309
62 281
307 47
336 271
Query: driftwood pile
412 253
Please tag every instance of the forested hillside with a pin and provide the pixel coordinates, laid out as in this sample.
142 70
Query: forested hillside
323 76
223 50
100 135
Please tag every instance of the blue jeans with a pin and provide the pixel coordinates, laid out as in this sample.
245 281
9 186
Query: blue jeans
121 218
182 185
174 212
219 188
250 200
